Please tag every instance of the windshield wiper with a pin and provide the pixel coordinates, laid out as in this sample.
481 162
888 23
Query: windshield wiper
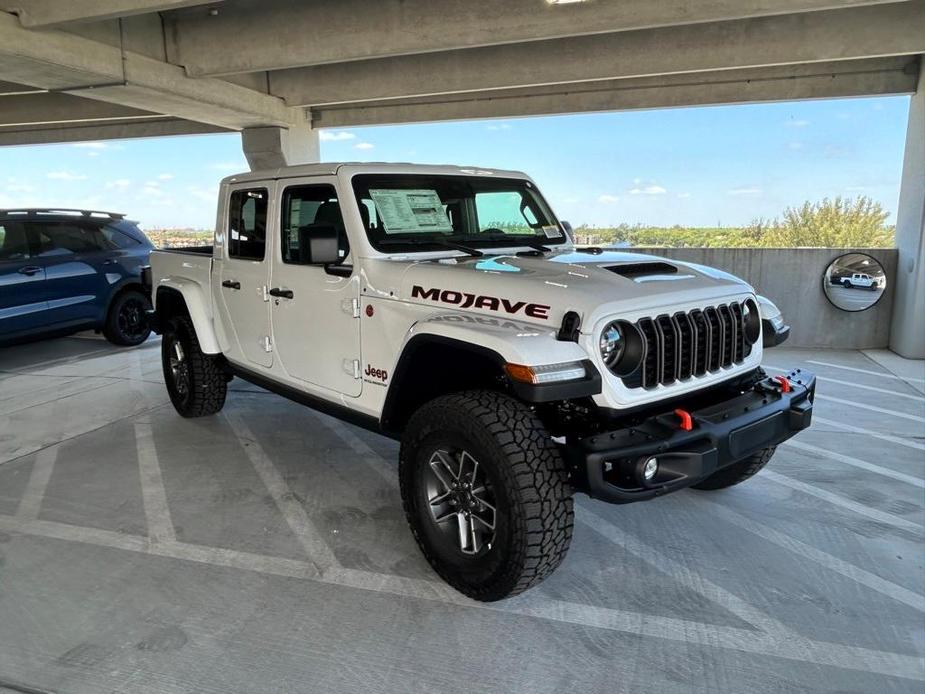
515 240
442 243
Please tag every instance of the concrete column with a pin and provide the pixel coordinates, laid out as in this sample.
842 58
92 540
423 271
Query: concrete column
907 333
272 147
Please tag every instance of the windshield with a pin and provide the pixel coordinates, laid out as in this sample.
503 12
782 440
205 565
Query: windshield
424 212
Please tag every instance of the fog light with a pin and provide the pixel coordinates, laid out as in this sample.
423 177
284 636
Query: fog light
650 469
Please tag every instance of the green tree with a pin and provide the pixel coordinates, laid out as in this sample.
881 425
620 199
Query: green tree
838 223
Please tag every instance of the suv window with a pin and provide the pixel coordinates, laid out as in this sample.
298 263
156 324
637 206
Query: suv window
13 243
57 238
118 239
247 224
304 208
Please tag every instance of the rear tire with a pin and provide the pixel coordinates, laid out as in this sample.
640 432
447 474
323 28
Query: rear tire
195 381
737 472
126 323
486 493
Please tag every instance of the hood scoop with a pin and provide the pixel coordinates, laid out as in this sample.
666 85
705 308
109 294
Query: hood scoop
634 270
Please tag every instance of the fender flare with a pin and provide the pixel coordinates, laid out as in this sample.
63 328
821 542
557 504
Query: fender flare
198 307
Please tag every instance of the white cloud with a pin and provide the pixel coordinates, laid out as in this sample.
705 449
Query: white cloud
794 145
797 122
684 195
120 183
93 154
364 145
499 126
648 190
747 190
335 135
204 194
91 145
165 176
19 188
65 176
608 199
152 191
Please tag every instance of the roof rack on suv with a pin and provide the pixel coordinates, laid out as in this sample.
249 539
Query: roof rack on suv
64 211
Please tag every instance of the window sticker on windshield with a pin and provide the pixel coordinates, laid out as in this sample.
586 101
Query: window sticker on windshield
410 210
552 231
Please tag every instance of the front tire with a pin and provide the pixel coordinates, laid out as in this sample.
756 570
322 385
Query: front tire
486 493
737 472
195 381
126 323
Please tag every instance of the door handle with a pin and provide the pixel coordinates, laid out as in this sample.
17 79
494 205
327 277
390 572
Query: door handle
281 293
29 270
231 284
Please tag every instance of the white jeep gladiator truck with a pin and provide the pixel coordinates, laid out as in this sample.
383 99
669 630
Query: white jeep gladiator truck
448 308
859 279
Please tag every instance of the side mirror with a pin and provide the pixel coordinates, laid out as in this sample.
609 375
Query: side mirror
319 244
568 229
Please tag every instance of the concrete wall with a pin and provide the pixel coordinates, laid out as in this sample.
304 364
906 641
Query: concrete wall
792 278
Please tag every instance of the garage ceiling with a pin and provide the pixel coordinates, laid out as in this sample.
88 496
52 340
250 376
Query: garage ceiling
120 68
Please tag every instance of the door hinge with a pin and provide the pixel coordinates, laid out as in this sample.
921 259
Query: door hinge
266 296
267 345
351 306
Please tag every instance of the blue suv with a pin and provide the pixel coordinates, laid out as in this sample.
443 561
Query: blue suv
67 270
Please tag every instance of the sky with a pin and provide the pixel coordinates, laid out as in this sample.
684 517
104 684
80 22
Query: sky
706 166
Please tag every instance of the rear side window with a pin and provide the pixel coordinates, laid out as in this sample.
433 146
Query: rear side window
118 239
247 224
13 243
59 238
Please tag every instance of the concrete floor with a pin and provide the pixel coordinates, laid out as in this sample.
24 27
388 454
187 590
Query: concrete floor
264 550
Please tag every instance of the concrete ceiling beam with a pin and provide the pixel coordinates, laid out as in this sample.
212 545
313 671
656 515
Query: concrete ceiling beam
276 34
53 13
855 33
40 135
882 76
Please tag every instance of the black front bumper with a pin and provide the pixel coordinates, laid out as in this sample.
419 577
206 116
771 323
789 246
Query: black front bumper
608 465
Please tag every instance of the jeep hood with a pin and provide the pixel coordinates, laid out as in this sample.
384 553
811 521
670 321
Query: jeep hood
543 289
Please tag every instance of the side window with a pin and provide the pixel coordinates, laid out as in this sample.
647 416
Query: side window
63 238
507 211
247 224
116 239
305 209
13 243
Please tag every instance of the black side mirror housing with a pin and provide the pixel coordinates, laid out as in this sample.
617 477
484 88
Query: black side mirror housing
318 244
568 229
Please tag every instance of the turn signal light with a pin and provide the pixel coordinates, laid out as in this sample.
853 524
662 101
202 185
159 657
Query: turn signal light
549 373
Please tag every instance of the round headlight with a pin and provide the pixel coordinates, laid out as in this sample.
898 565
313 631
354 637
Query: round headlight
751 321
622 347
611 345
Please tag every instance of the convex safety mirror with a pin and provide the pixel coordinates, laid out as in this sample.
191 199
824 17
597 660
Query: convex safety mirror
854 282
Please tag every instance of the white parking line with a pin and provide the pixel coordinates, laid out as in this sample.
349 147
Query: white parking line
872 408
881 374
679 572
867 432
856 462
865 578
290 508
31 502
860 509
697 634
826 379
153 494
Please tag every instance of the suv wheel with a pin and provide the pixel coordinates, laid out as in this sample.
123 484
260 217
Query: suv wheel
126 323
737 472
195 381
486 493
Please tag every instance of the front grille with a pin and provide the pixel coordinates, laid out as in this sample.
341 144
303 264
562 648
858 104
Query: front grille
683 345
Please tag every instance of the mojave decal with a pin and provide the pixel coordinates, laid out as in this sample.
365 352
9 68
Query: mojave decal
492 303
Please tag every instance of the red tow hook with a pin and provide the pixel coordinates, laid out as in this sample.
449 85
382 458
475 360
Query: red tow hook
784 383
686 422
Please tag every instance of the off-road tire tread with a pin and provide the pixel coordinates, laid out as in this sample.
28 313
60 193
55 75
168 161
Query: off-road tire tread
542 515
209 383
737 472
